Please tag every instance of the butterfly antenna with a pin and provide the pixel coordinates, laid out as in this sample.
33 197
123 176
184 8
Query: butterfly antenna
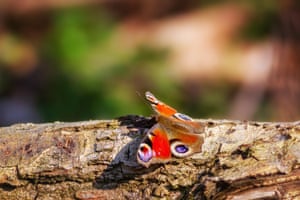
145 98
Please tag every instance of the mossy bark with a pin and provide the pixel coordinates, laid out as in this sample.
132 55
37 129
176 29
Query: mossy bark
97 160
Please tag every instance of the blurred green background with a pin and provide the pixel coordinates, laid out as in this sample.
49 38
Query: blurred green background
95 59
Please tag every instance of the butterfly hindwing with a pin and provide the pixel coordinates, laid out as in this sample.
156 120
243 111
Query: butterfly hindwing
155 147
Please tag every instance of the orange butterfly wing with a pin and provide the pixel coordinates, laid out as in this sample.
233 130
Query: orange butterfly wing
175 133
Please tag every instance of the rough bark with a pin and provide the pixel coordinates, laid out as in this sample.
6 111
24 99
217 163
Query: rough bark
97 160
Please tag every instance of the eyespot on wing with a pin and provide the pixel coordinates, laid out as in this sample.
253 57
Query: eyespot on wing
155 148
182 117
144 153
181 148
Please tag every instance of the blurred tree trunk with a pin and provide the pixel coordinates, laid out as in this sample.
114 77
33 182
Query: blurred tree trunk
97 160
285 77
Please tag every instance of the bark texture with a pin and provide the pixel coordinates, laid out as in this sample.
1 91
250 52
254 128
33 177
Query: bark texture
97 160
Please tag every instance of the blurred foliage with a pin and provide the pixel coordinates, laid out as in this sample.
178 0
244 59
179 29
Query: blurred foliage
92 76
266 110
264 18
84 73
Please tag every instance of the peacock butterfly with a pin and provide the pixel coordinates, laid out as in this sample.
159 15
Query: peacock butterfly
174 134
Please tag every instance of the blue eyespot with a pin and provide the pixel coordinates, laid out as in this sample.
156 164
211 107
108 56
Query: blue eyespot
145 153
181 148
182 117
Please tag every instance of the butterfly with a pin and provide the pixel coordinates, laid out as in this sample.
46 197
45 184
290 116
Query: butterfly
174 134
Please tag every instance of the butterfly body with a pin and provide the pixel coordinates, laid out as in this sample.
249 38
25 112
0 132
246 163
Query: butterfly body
174 134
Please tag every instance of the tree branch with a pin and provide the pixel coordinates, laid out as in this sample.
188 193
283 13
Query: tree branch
97 160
